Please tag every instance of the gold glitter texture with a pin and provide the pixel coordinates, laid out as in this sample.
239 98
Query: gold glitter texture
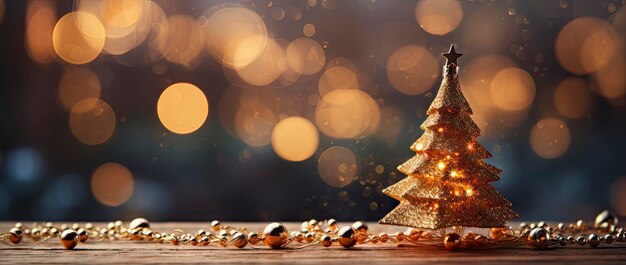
448 183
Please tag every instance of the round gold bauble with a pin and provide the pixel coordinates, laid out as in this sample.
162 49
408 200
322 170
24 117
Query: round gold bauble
82 235
16 235
326 240
69 239
452 241
347 236
139 224
275 235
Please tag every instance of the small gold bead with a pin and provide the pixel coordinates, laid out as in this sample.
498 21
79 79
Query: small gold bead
399 236
193 241
326 240
69 239
304 227
309 237
239 240
174 240
275 235
297 236
223 233
111 226
384 237
54 231
374 239
49 224
253 238
75 226
18 225
347 236
360 227
147 234
138 223
201 233
63 227
468 240
16 235
452 241
413 234
82 235
205 241
88 226
215 224
581 225
332 224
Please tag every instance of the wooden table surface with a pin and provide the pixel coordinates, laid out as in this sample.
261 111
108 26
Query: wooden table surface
139 252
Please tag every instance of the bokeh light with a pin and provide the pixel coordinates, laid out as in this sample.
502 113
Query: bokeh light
337 77
40 21
305 56
186 43
126 22
265 68
348 114
23 165
182 108
78 83
572 98
618 196
585 44
112 184
337 166
393 36
412 70
308 30
235 36
254 124
550 138
438 17
78 37
295 139
484 30
610 79
92 121
512 89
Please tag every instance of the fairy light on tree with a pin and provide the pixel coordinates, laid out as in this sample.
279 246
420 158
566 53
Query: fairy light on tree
448 182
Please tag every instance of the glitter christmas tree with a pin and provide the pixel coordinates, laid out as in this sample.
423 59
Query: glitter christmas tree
448 182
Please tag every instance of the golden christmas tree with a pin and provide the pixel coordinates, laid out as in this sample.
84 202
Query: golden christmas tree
448 183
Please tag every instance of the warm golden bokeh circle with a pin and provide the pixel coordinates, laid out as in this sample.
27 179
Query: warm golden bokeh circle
550 138
266 67
40 22
337 166
78 84
512 89
337 77
412 70
347 114
182 108
308 30
610 79
254 124
78 37
92 121
305 56
112 184
186 42
585 45
572 98
235 36
439 17
295 139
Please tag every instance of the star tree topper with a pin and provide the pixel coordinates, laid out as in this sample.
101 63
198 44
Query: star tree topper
448 182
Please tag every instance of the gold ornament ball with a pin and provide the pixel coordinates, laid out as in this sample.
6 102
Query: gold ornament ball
326 240
82 235
539 238
497 233
360 227
347 236
275 235
16 235
69 239
253 238
593 240
452 241
239 240
413 234
608 239
138 224
468 240
215 224
383 237
332 224
605 220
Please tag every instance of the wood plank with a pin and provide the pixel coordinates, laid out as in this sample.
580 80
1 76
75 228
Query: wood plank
143 252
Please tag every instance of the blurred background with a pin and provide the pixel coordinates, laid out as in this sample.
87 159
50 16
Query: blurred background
290 110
